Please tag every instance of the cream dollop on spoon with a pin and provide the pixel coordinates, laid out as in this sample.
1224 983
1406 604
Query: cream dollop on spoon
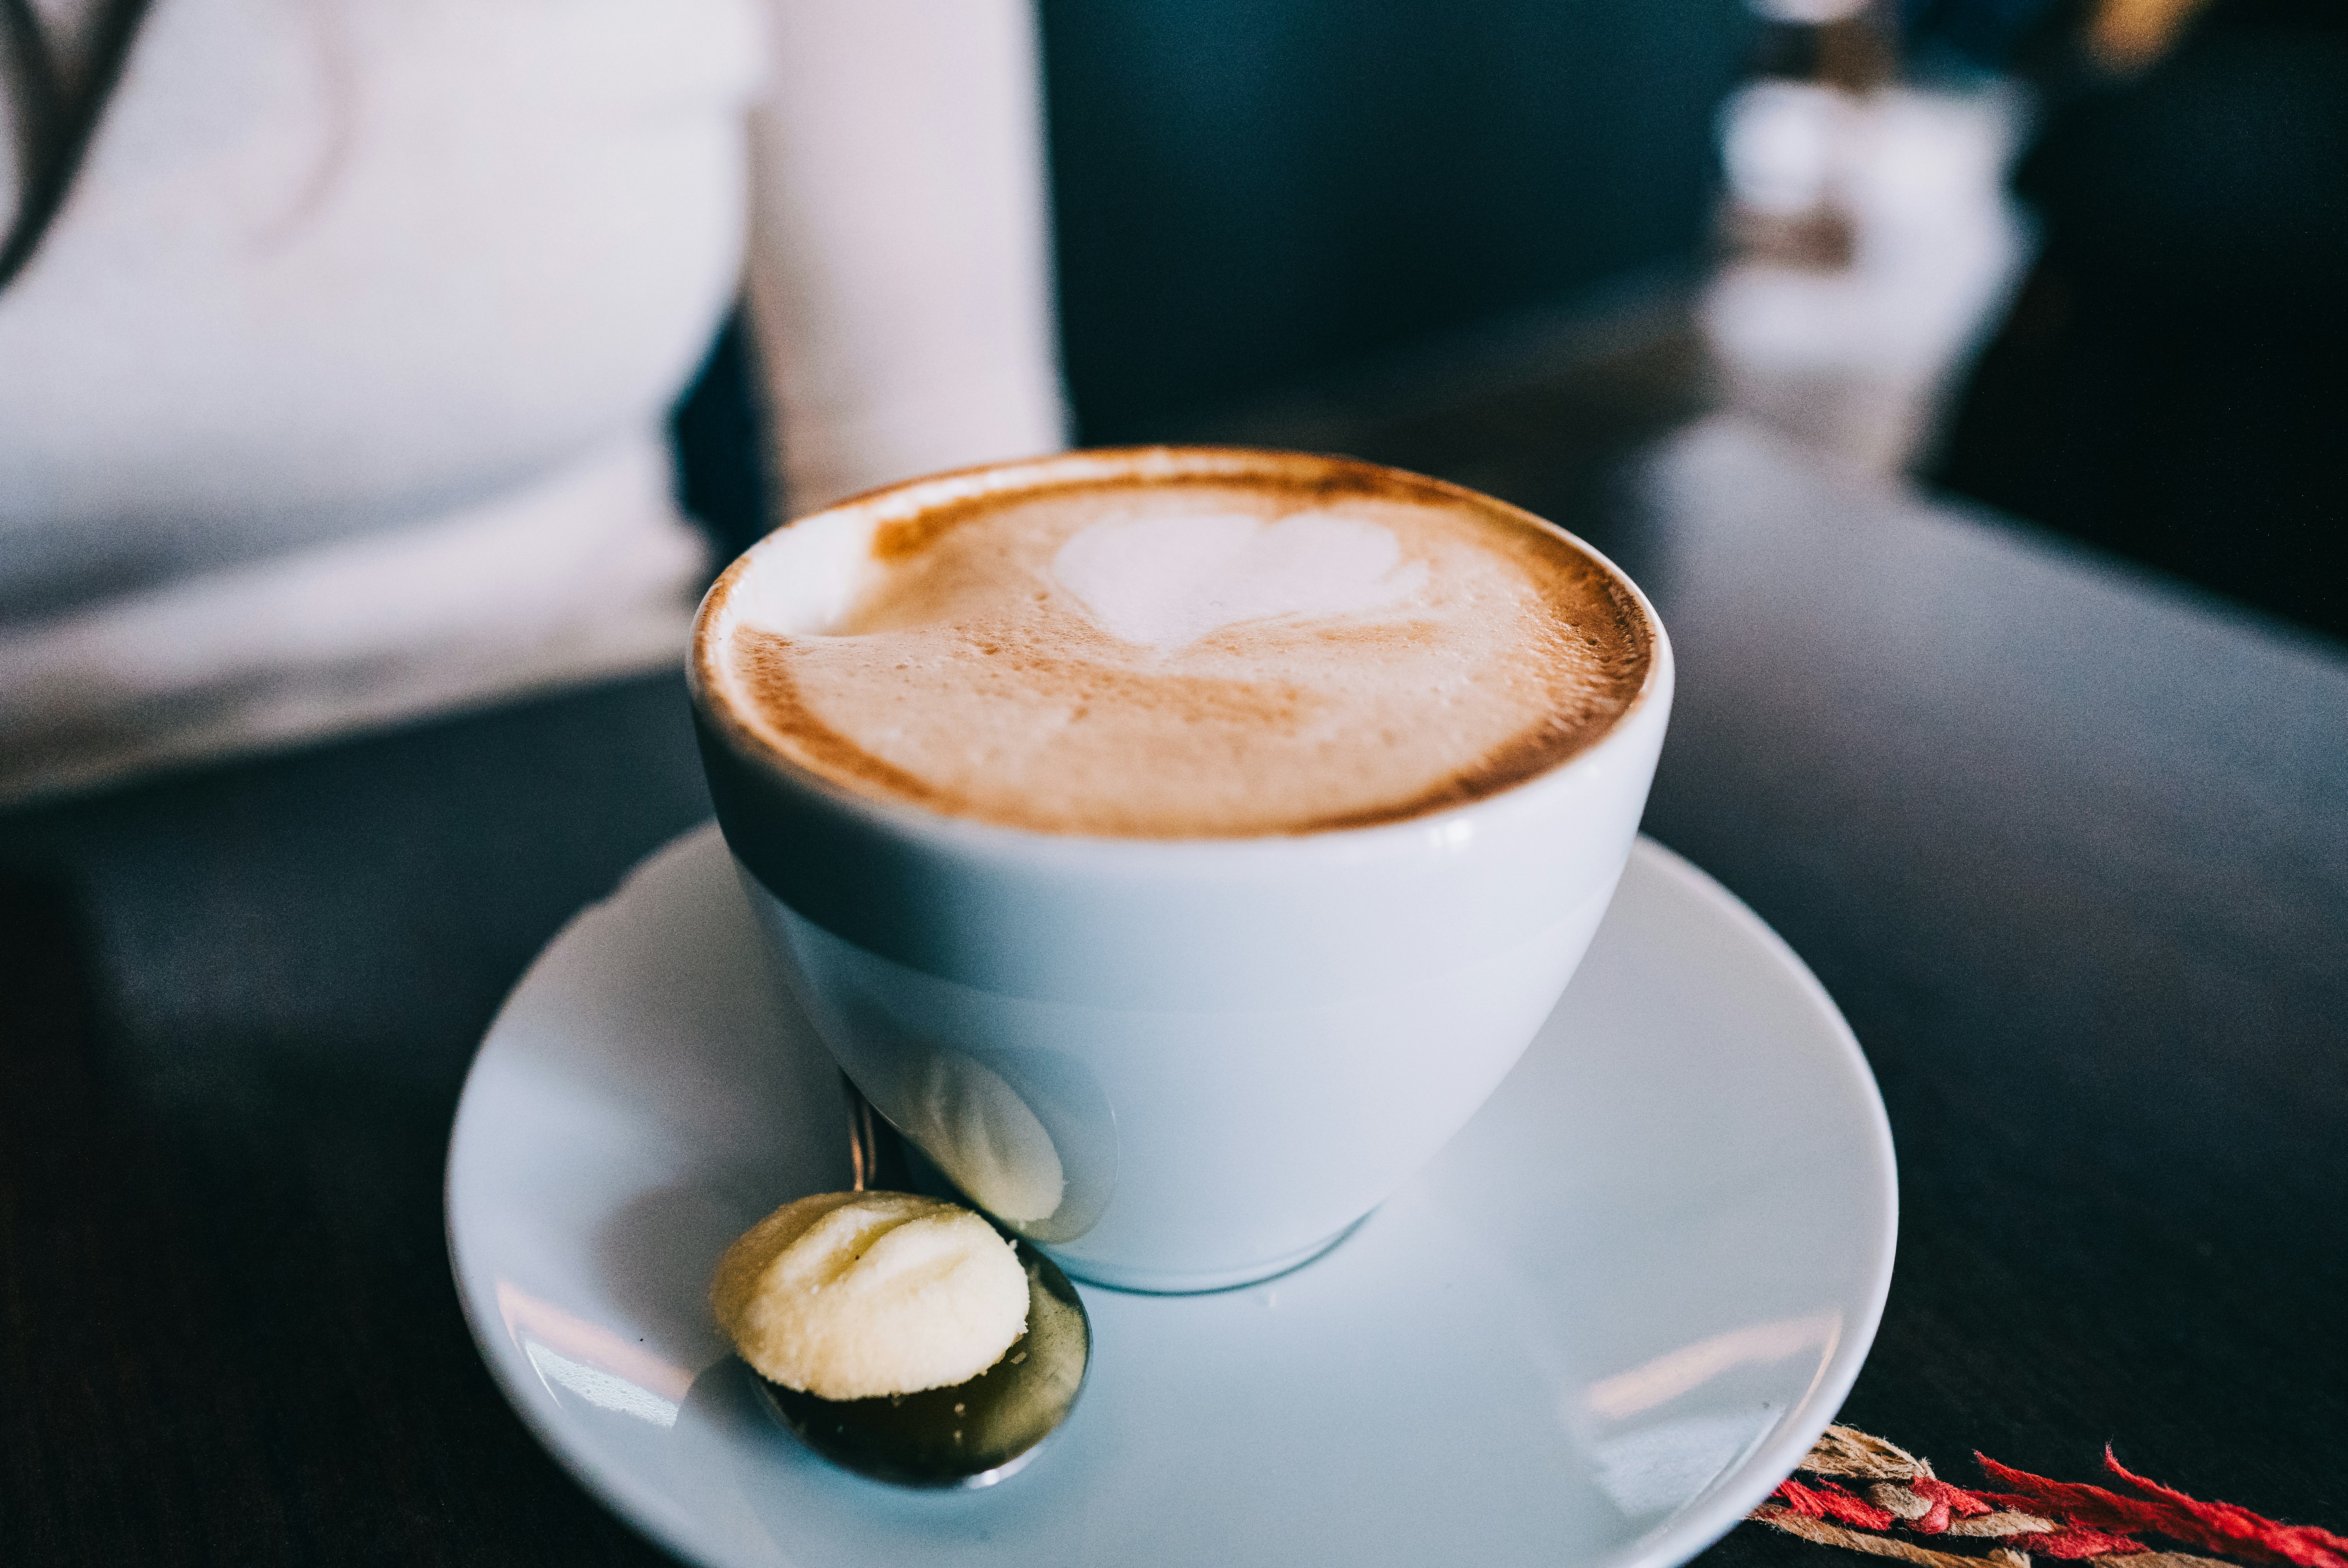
853 1296
901 1335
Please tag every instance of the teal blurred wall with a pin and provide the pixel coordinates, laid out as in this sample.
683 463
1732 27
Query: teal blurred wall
1250 190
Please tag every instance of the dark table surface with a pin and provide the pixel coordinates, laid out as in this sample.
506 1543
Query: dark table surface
2069 846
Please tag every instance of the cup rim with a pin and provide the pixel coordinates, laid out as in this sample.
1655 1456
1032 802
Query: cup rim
709 688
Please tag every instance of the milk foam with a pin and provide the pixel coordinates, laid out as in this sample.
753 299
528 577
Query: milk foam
1300 645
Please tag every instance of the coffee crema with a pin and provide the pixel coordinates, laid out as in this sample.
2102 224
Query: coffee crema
1174 643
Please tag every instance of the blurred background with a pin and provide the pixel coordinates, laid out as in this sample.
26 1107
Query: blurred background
2083 261
322 282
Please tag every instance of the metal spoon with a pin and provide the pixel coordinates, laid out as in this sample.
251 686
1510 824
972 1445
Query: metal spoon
976 1432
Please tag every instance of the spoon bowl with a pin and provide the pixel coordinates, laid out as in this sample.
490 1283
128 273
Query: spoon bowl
977 1431
974 1433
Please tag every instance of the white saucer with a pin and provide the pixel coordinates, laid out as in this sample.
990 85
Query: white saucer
1596 1331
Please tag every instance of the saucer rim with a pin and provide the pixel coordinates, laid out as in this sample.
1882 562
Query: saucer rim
1737 1495
1726 1501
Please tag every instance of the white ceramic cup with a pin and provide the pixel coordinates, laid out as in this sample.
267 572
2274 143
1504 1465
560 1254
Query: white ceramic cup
1177 1065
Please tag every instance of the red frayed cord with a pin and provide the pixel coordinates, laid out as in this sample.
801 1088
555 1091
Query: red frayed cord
1946 1501
1828 1500
1934 1489
2074 1543
2165 1510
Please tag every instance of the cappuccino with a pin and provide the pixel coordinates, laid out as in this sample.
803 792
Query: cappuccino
1175 643
1034 776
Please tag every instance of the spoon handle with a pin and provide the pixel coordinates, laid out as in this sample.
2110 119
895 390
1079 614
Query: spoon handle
876 1151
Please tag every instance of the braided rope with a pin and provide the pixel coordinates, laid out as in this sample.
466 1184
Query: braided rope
2063 1520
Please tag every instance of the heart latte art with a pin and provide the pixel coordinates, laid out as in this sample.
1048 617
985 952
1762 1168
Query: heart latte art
1169 580
1176 644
